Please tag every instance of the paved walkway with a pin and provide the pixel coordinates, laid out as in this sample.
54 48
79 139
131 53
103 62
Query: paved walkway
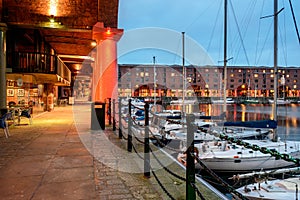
58 157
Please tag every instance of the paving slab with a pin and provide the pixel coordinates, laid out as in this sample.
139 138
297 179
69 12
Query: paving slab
50 160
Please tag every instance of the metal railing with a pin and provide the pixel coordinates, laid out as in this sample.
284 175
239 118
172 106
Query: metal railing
36 62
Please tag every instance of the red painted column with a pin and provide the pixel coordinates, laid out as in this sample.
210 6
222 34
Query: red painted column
105 68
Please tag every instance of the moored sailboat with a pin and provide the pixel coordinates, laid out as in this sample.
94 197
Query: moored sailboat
228 157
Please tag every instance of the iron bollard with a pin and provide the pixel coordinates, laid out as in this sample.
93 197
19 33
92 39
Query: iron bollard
109 111
190 161
146 141
120 119
114 114
129 141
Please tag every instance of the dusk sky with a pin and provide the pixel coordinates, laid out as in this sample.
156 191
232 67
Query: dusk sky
154 28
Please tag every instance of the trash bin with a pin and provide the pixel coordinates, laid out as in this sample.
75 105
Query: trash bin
98 116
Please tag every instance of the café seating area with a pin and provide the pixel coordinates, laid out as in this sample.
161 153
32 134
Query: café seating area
19 112
15 113
4 124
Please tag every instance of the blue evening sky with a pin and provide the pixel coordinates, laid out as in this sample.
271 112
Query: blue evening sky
154 28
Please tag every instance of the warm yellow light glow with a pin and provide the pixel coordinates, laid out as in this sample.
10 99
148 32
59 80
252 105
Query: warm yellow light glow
53 7
94 44
77 66
108 32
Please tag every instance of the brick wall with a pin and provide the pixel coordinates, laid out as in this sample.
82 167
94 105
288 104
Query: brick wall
72 13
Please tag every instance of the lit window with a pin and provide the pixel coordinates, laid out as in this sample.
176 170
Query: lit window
255 75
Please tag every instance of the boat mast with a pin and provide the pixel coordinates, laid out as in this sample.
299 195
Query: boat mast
154 83
183 76
225 57
275 136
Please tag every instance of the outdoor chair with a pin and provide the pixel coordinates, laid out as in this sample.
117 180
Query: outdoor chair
4 124
25 113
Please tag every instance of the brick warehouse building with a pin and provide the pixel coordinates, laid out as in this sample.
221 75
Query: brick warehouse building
49 46
206 81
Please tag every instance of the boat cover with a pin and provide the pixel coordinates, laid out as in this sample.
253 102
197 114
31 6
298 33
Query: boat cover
254 124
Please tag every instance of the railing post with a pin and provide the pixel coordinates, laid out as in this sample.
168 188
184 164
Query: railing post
190 165
120 119
146 141
109 111
114 114
129 141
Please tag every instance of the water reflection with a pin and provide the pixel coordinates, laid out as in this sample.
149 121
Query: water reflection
288 116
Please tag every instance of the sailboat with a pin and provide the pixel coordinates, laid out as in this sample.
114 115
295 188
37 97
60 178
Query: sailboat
225 156
278 189
266 187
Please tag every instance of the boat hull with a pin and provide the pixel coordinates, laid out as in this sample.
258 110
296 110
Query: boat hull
234 158
245 164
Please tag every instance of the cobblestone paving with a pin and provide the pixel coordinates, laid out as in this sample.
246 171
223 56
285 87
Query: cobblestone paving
59 157
47 160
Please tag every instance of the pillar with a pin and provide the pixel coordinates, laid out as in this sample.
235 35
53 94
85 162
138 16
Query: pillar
105 68
48 97
3 28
